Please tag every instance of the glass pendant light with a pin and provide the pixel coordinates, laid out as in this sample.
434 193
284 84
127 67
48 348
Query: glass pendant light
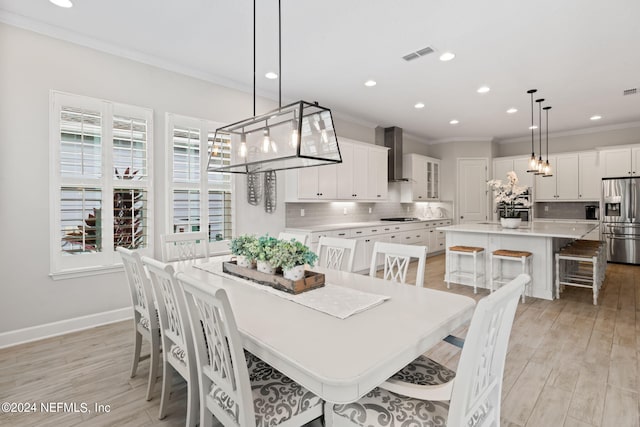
548 171
533 162
540 162
306 132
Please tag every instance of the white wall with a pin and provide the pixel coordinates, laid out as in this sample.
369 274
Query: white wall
448 153
30 66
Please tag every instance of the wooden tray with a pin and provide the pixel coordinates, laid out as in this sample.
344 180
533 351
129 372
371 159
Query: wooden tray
311 279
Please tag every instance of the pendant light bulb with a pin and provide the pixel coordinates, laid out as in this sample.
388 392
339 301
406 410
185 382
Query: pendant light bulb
547 166
540 161
533 162
242 152
266 141
323 131
294 135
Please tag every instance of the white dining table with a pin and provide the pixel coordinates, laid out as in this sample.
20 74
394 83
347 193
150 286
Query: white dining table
341 360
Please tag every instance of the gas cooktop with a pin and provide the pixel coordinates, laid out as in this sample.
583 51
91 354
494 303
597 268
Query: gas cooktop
399 219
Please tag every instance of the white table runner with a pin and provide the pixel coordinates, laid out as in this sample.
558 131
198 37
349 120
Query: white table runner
334 300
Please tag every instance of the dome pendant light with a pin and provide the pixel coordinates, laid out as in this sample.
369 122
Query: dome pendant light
293 136
548 171
533 162
540 163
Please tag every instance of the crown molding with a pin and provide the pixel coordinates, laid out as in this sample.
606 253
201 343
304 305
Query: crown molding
461 139
585 131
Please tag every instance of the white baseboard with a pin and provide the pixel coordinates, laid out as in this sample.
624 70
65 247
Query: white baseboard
34 333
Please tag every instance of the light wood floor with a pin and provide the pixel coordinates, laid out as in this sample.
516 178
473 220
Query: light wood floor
569 364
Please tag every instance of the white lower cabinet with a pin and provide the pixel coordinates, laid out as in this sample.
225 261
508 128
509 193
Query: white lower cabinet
417 233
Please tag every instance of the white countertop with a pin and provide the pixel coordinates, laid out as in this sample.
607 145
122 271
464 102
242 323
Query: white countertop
349 225
538 229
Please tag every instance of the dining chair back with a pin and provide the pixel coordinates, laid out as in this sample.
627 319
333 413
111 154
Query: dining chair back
300 237
236 387
396 261
184 246
145 315
420 391
331 253
177 341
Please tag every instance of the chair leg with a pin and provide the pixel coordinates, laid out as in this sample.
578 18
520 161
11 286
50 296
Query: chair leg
136 350
193 399
475 273
153 366
557 281
523 261
491 273
167 380
595 280
449 268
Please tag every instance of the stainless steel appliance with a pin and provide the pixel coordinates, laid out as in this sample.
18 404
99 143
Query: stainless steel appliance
591 212
404 219
620 225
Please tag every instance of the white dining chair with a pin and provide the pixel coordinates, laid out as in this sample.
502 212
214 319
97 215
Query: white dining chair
331 253
178 353
396 261
184 246
236 387
145 315
427 393
300 237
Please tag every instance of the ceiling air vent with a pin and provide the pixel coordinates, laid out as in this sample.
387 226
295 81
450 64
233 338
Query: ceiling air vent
417 54
631 91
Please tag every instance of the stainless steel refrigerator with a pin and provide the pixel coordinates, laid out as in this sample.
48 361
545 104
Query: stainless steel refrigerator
620 223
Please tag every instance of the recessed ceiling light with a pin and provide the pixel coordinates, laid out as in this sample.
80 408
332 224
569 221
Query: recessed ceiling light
370 83
484 89
533 127
419 105
512 110
454 122
271 75
596 117
62 3
447 56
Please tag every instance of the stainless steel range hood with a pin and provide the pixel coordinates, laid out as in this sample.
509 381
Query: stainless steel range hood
391 137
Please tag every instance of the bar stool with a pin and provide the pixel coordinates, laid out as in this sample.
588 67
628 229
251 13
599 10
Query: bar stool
523 257
582 263
478 257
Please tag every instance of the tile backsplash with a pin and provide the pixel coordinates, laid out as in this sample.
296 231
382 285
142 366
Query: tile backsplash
561 210
334 212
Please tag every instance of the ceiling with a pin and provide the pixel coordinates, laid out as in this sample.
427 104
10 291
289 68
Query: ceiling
580 54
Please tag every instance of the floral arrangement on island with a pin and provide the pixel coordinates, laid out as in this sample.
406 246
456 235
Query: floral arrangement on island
269 253
510 194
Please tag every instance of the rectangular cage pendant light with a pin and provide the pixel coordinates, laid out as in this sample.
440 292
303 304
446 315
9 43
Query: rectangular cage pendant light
298 135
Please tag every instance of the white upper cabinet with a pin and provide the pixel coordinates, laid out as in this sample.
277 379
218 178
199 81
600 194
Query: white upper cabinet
590 176
378 187
502 166
362 175
318 182
564 184
424 178
619 162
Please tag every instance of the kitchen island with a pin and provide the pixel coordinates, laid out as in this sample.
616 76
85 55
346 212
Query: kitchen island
542 239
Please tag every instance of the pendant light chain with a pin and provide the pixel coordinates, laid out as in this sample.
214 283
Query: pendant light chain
279 55
254 58
532 161
547 166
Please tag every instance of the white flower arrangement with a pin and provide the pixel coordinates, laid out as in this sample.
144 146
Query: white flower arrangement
509 193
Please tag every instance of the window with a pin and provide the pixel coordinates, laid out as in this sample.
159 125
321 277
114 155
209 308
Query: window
198 200
100 189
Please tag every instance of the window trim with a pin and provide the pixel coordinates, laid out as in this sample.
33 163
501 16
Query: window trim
108 260
205 126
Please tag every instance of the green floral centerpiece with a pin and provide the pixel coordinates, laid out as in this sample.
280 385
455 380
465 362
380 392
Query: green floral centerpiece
263 249
244 247
288 254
